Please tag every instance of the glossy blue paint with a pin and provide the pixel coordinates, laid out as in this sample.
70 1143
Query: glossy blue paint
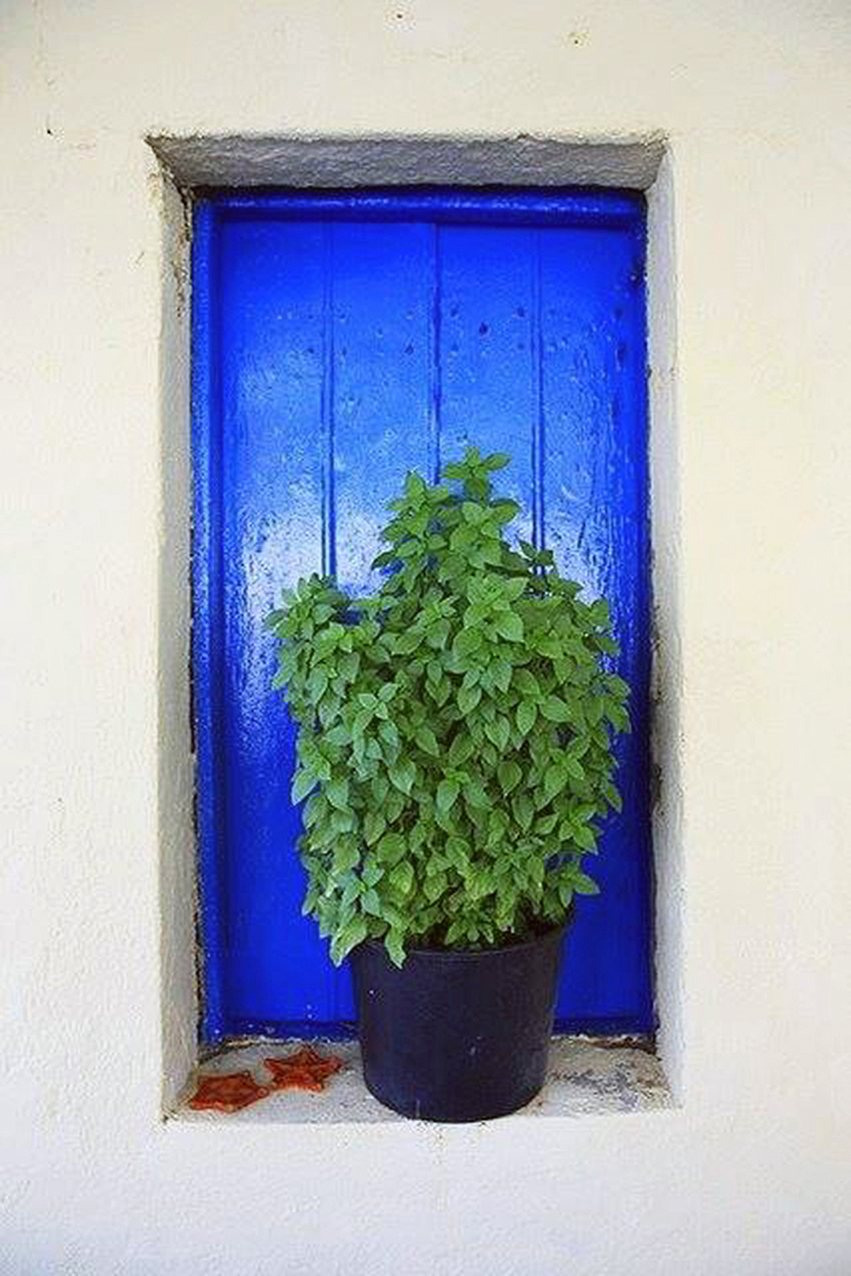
341 338
590 207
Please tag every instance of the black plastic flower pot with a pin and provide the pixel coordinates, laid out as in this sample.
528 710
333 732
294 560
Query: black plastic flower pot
457 1035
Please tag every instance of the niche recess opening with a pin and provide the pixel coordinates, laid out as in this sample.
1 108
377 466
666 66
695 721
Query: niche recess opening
196 162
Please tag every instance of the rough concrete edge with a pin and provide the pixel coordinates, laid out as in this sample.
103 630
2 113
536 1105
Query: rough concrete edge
666 725
185 163
586 1077
244 160
175 777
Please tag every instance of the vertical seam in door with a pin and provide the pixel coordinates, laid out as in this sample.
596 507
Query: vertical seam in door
435 387
537 370
329 546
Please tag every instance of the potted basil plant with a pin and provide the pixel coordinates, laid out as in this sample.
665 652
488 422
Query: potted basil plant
455 752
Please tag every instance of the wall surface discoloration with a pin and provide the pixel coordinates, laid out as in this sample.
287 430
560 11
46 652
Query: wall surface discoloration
352 160
750 1174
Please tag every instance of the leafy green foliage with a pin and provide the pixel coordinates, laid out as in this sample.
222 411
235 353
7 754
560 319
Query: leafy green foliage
455 743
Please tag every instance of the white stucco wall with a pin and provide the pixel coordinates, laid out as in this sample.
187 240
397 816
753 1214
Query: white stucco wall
752 1173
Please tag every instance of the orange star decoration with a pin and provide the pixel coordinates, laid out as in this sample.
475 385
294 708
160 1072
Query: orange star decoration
304 1070
230 1091
227 1092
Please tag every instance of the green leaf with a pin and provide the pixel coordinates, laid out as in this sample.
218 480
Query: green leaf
583 835
391 848
505 511
467 641
407 642
548 645
554 709
479 884
565 891
434 886
460 749
584 885
599 612
402 775
370 902
475 794
438 634
617 686
346 857
402 878
555 778
509 775
415 487
524 810
348 665
393 806
314 810
302 784
498 732
425 738
613 797
500 671
418 835
445 820
574 768
457 852
468 698
496 461
447 792
317 684
526 683
395 946
618 717
337 793
510 627
442 691
352 934
342 821
473 513
514 588
374 825
525 717
372 873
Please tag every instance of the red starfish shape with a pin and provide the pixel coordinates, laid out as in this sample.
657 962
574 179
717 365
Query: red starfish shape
304 1070
227 1092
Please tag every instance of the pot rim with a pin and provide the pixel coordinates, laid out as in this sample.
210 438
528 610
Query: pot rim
471 954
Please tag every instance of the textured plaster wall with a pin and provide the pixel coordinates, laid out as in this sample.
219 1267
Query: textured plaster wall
752 1173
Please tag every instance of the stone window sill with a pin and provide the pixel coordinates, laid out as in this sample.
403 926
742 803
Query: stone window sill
585 1078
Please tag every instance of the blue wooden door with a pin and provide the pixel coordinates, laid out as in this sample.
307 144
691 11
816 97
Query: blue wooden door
339 340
